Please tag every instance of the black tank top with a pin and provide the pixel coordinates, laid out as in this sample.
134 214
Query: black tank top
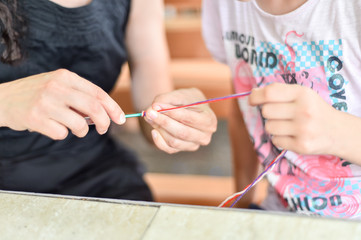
89 41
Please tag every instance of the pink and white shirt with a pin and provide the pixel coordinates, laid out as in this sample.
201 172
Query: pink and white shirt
317 45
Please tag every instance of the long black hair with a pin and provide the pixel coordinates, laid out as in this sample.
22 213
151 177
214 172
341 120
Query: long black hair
12 28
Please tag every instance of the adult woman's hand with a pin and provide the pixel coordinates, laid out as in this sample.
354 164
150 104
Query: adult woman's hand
55 102
184 129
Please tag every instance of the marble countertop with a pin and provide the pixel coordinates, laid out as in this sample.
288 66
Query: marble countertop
34 216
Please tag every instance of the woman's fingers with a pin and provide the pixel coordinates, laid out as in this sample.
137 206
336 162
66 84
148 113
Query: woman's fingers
74 121
181 129
61 98
86 105
50 128
199 117
170 144
99 95
176 129
89 100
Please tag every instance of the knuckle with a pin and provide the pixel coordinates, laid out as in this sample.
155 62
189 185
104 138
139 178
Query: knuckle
41 104
184 135
62 73
213 128
165 148
304 130
32 116
100 94
197 92
95 108
51 84
265 111
308 113
107 123
205 141
173 143
60 134
171 151
115 108
103 126
212 123
162 122
267 92
80 129
195 148
268 127
304 146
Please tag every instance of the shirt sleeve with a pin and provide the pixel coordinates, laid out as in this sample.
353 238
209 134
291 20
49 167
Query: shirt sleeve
212 30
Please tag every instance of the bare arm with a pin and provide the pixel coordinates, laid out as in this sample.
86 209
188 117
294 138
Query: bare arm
148 54
152 88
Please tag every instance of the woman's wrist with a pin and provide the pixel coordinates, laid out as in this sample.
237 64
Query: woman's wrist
3 103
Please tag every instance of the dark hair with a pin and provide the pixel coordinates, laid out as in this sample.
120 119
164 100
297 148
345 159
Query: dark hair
12 27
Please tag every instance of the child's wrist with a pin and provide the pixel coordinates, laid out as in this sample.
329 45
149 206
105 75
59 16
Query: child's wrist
346 135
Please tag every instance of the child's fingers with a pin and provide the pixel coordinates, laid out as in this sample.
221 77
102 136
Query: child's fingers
284 142
286 111
275 92
280 128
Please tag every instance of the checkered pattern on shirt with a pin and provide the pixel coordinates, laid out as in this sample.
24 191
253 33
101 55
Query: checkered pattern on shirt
308 55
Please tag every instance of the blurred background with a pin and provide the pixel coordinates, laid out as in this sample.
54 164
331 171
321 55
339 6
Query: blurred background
203 177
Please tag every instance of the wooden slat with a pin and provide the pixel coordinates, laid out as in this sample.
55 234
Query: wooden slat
190 189
184 3
196 189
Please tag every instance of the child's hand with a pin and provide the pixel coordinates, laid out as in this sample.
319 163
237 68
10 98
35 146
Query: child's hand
297 118
184 129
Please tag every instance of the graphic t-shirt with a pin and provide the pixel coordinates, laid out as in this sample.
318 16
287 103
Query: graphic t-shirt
318 46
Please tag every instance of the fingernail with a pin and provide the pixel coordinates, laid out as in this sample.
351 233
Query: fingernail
157 108
122 118
152 114
104 132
